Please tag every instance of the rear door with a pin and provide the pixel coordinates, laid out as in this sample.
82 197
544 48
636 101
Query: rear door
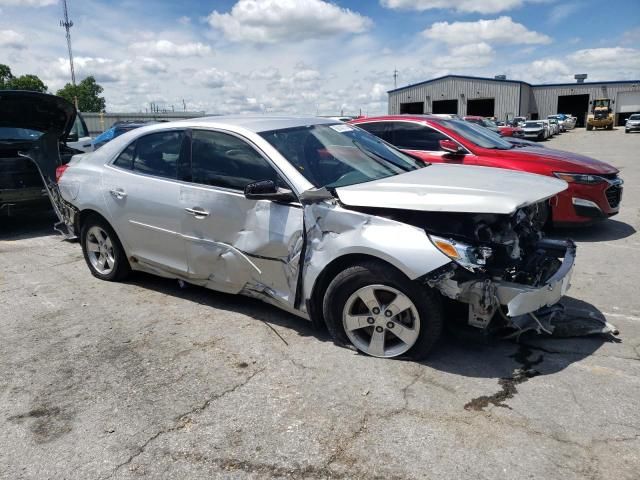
233 243
142 194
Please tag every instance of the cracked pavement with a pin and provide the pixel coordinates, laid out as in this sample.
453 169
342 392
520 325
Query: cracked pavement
148 380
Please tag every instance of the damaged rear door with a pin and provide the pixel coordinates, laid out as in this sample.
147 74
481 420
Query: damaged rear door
235 244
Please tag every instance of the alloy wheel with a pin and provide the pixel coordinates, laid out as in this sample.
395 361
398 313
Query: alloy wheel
381 321
100 250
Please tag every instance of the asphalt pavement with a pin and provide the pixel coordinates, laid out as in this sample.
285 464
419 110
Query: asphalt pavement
145 379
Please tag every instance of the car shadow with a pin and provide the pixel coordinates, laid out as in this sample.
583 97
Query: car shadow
28 225
250 307
607 230
467 355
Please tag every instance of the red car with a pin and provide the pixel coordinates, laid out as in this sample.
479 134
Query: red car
503 130
594 192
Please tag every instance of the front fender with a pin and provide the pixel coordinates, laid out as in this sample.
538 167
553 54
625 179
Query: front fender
333 232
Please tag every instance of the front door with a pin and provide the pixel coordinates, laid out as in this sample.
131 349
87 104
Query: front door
235 244
142 194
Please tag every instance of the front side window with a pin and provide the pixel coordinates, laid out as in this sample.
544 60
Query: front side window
413 136
223 160
339 155
158 154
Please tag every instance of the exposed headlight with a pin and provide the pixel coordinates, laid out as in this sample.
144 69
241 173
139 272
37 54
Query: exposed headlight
467 256
579 178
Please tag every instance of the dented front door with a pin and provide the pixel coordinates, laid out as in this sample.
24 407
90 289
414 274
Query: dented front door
235 244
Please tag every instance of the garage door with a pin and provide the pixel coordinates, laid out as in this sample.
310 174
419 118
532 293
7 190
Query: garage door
628 102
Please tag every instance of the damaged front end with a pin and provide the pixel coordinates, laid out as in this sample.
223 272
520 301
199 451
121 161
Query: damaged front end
510 277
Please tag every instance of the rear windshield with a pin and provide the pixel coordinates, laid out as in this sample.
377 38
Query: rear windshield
533 125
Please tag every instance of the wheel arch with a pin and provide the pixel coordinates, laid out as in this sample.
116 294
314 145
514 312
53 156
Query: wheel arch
328 273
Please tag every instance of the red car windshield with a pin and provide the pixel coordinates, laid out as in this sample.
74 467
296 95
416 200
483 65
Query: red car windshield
480 136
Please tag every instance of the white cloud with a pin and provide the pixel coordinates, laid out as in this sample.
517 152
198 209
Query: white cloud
502 29
474 55
27 3
167 48
475 6
271 21
620 57
212 77
12 39
560 12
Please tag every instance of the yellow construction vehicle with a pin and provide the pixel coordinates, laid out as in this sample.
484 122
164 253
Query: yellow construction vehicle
601 115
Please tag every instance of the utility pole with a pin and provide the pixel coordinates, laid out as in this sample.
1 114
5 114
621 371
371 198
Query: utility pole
67 24
395 78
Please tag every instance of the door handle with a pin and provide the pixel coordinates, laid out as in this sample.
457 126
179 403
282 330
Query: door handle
197 212
118 193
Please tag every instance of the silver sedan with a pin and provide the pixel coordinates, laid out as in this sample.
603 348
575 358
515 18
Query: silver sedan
321 219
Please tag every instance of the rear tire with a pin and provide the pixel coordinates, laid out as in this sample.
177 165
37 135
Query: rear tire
103 251
589 127
382 313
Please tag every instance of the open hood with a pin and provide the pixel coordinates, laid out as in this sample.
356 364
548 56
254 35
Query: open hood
36 111
453 188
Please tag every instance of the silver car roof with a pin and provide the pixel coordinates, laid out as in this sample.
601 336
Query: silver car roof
256 123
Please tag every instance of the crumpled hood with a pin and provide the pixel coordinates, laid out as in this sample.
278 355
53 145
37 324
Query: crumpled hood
36 111
453 188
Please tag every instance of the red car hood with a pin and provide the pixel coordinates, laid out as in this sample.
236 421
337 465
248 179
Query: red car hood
555 160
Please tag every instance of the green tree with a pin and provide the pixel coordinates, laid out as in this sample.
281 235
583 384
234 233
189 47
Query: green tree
88 94
5 75
23 82
26 82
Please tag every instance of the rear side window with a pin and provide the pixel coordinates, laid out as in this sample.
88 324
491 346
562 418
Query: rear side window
413 136
158 154
223 160
379 129
125 159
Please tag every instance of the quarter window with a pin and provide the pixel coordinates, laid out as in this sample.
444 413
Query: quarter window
158 154
223 160
413 136
125 159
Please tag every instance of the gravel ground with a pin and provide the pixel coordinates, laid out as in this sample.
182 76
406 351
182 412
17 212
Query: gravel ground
145 379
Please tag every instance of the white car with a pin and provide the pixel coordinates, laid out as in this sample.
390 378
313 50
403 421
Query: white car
79 137
536 129
633 123
323 220
561 123
554 127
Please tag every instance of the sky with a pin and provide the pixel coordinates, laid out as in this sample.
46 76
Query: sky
312 56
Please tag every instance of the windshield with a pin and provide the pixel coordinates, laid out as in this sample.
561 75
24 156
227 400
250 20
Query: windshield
634 117
480 136
339 155
489 123
10 133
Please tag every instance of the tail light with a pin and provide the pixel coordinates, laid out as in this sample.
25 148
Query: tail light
59 171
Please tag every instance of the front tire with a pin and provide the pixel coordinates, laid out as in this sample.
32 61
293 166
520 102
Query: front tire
382 313
102 251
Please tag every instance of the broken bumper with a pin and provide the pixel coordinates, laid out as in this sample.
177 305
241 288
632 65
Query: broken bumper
522 299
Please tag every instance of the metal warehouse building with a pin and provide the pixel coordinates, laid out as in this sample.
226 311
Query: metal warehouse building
505 99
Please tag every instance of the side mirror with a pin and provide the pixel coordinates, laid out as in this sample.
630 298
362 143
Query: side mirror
450 146
268 190
72 137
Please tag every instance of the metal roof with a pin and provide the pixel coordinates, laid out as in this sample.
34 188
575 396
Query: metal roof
467 77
